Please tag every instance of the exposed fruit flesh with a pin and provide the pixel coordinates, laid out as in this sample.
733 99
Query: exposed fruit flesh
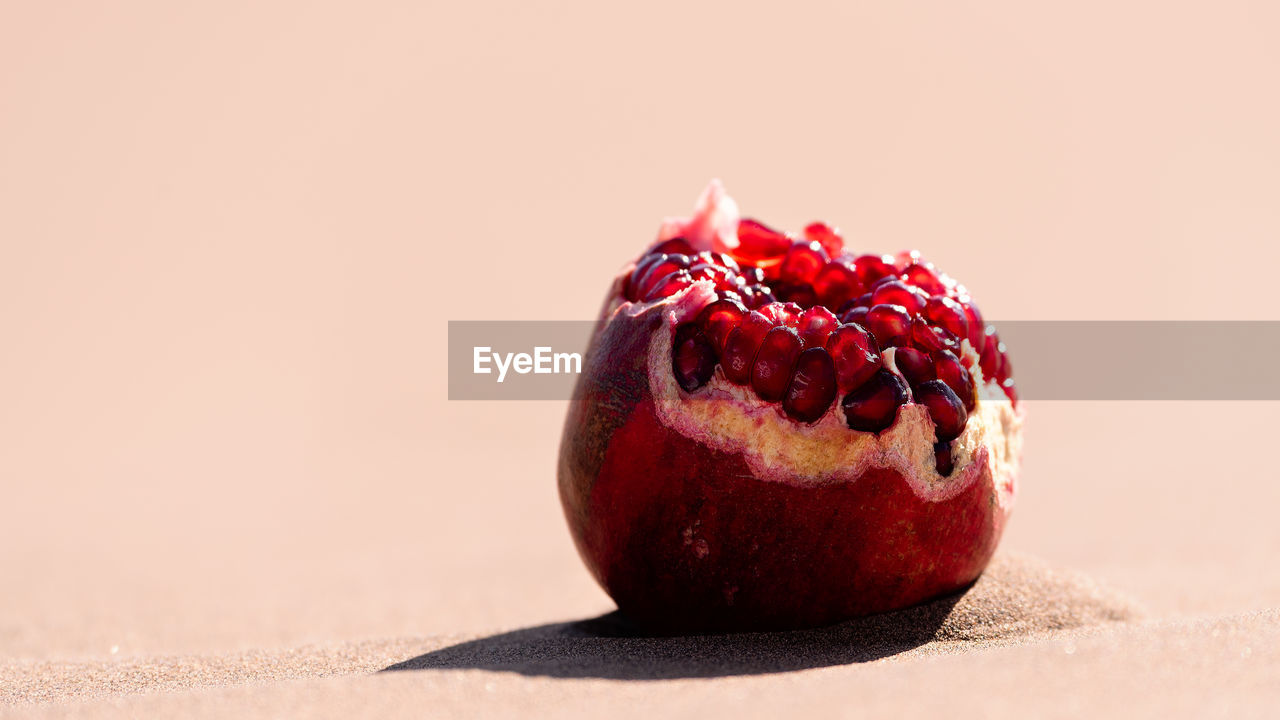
901 302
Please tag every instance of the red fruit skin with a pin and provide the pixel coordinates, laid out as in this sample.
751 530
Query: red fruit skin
686 537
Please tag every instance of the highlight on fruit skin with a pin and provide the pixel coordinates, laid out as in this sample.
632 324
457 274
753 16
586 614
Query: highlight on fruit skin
774 431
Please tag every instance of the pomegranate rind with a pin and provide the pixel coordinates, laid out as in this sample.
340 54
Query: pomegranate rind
711 510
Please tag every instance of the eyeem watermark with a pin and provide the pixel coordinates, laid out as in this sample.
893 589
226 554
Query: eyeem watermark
1052 360
516 360
542 362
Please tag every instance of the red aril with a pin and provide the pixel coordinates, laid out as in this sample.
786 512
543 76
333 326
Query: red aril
802 262
719 318
813 386
891 324
836 284
915 366
855 354
759 242
828 237
741 345
874 406
815 325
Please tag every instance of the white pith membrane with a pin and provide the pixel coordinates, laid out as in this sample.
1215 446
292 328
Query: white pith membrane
777 448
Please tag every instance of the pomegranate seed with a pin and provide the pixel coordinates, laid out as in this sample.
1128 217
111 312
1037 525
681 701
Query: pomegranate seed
733 295
693 360
828 236
775 362
757 241
921 275
836 283
874 406
815 325
802 262
885 281
1005 370
854 352
632 290
717 258
669 285
658 271
948 413
723 278
897 292
931 339
976 326
873 267
782 313
756 296
947 313
907 257
914 365
674 246
990 358
856 315
951 371
719 318
890 324
741 345
813 386
1010 390
942 458
752 275
864 300
802 295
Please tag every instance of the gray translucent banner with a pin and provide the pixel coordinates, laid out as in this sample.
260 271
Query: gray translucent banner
1052 360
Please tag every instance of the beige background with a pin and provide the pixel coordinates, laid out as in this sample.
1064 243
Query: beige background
231 235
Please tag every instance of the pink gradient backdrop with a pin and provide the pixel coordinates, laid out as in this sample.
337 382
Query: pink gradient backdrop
231 237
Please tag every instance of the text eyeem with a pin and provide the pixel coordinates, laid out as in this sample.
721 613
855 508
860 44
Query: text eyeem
542 362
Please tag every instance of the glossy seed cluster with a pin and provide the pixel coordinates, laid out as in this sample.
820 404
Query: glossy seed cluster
803 322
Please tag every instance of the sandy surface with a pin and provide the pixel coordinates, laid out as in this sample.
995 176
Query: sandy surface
232 235
1015 600
1024 639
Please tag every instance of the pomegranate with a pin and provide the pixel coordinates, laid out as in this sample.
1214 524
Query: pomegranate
773 432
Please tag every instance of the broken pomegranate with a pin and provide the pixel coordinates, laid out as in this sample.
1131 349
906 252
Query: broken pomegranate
774 432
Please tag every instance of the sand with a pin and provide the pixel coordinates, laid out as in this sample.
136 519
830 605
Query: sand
1016 599
1023 637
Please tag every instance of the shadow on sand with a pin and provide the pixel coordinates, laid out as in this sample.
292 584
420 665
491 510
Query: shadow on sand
609 647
